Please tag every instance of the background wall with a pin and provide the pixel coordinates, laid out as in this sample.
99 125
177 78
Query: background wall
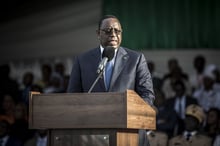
61 32
167 24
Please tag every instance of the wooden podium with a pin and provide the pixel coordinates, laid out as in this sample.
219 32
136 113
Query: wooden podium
91 119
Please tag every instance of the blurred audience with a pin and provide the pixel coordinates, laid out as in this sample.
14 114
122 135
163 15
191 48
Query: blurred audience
192 123
5 138
196 78
211 127
179 102
7 84
60 69
157 138
40 139
7 108
177 98
172 64
207 95
55 85
175 73
216 73
19 128
46 72
166 118
156 78
27 82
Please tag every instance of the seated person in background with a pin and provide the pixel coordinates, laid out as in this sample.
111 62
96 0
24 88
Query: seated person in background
216 72
179 102
40 139
46 72
27 82
191 137
19 128
7 108
207 95
212 123
172 64
156 79
8 85
175 75
157 138
5 138
166 117
196 78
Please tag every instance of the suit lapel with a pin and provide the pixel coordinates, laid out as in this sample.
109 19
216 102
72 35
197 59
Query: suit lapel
120 61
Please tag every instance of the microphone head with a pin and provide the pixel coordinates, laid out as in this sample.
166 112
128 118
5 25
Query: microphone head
109 52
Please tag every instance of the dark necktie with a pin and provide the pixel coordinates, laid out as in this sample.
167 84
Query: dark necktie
188 135
108 74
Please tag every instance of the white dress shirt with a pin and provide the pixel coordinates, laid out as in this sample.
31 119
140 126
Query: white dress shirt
42 141
180 104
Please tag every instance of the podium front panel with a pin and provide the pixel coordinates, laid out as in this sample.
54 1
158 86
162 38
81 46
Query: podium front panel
94 137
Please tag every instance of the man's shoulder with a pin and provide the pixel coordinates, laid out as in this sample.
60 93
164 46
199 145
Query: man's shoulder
88 52
131 51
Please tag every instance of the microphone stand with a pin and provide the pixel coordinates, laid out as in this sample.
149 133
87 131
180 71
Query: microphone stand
99 76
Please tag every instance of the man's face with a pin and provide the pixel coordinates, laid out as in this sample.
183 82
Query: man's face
191 123
110 33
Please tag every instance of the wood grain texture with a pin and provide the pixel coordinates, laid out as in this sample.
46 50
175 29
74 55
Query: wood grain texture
90 110
127 139
139 113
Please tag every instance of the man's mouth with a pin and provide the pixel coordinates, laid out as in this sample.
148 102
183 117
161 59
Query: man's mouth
112 41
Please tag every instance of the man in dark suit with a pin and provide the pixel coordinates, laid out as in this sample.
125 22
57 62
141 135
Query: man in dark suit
130 69
179 103
5 138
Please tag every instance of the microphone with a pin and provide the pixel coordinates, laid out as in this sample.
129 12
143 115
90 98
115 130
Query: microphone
107 55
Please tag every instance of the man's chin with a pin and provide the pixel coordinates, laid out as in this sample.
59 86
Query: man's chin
113 45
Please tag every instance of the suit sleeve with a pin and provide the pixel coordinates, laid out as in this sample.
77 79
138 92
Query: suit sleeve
75 84
144 85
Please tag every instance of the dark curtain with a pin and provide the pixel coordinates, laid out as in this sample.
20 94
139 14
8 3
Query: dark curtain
167 24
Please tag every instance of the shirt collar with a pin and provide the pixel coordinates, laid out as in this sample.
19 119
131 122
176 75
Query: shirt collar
42 138
187 132
181 99
102 49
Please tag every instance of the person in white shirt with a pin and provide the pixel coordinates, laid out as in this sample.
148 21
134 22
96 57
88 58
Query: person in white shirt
207 95
196 78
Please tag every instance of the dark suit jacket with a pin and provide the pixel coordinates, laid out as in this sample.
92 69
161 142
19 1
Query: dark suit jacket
189 100
171 104
130 72
13 142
